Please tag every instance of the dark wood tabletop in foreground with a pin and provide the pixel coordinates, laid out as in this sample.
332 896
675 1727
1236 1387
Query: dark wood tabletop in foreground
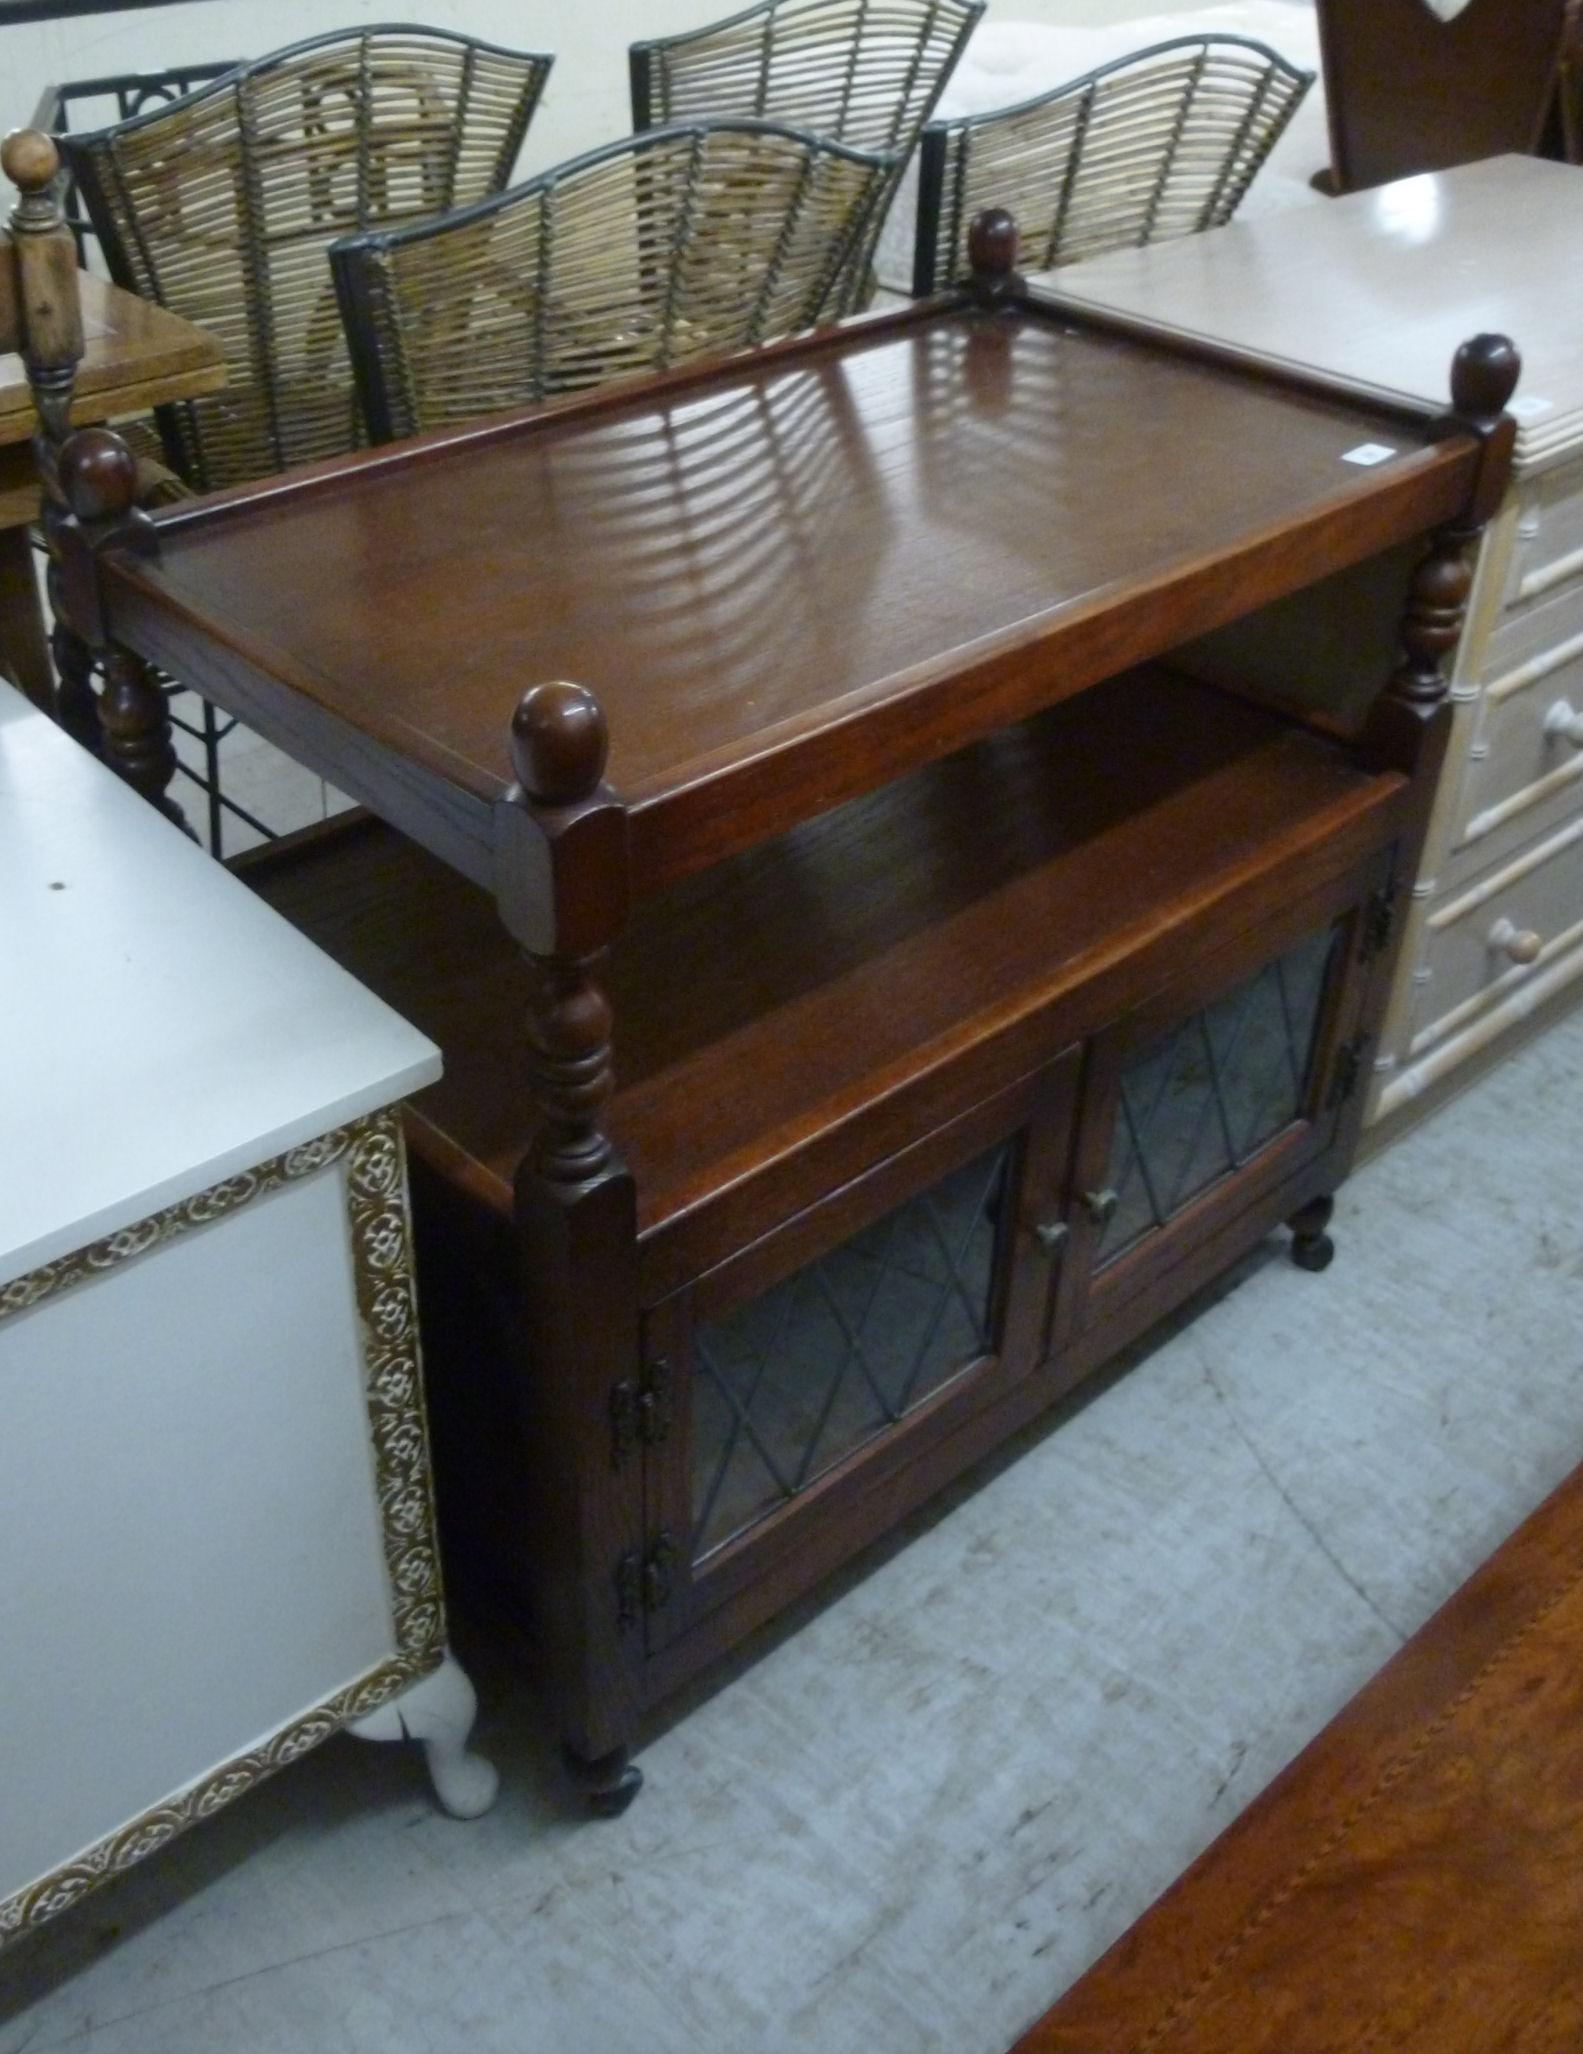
1414 1880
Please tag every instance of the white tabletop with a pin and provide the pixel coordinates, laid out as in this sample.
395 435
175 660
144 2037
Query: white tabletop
160 1027
1380 287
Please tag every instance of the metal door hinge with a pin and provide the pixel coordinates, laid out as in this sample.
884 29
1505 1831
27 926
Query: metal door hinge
645 1582
640 1413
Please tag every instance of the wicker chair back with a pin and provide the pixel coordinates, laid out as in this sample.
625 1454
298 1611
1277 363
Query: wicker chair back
1161 143
222 205
675 244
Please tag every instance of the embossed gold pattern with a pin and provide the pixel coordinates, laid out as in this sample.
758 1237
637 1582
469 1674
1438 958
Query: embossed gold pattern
381 1246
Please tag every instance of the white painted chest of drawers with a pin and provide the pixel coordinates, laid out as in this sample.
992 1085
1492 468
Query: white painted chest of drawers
1380 288
215 1508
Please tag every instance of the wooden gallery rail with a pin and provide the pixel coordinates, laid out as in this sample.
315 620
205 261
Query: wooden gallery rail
920 948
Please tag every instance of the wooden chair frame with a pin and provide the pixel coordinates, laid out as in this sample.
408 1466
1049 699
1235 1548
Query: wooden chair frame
1406 92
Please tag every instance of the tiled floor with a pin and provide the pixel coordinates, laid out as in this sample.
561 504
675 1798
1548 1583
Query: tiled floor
911 1817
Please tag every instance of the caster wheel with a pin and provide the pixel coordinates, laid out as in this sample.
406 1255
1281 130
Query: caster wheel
608 1784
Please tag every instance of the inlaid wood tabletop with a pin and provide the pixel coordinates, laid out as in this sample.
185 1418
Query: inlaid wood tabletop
1414 1880
877 546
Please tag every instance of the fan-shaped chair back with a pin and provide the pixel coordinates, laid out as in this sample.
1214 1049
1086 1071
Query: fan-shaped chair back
1160 143
678 243
222 205
867 72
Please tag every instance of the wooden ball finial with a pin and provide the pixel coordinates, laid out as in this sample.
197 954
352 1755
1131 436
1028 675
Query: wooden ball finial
98 474
992 244
29 159
1484 374
558 742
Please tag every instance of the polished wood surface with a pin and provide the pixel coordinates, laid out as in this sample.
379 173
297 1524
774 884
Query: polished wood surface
967 903
1415 1879
1407 91
832 564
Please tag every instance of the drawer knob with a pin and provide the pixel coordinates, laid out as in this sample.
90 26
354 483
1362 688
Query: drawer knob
1521 944
1562 721
1051 1235
1100 1206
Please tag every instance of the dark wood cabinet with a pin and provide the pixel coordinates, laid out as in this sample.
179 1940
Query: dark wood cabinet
940 982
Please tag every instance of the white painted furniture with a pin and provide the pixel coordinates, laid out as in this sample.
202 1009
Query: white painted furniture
1378 287
214 1488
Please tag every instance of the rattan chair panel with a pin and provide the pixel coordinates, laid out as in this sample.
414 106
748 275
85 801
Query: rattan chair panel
867 72
676 244
1161 143
223 205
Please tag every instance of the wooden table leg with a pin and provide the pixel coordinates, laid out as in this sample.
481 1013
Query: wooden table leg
24 637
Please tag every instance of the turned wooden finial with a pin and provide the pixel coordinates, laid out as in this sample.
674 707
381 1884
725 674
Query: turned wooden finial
1484 374
30 160
558 742
98 474
992 242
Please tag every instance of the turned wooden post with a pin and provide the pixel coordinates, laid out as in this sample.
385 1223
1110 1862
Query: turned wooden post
41 319
992 246
1405 721
98 481
562 886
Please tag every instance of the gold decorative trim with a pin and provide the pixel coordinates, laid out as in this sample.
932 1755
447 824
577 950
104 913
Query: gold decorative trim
380 1230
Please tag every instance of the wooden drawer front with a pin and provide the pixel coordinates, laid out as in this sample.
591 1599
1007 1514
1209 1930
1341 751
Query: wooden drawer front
1549 546
1511 927
1524 772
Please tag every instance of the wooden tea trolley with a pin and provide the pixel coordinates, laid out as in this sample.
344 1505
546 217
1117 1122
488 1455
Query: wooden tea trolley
883 980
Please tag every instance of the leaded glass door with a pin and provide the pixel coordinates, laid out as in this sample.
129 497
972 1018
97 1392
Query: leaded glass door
806 1370
1213 1092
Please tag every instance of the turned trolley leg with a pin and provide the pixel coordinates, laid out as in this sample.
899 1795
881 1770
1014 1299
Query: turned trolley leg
1312 1247
608 1783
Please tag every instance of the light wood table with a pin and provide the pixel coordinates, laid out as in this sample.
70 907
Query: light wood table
137 356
